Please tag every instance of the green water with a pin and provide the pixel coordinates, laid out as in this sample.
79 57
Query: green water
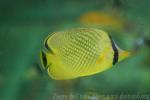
25 23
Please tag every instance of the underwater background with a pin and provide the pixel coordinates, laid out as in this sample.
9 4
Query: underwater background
24 24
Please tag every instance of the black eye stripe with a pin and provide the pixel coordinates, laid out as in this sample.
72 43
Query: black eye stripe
116 53
44 59
47 47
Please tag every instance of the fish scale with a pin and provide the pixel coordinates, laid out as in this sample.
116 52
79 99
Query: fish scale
82 45
83 59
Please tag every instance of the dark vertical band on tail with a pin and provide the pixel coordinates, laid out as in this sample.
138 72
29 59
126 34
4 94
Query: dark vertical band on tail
116 53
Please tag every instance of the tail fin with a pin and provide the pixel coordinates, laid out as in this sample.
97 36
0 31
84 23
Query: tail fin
123 54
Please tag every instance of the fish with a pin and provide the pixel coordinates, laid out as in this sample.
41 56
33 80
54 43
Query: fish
79 52
103 19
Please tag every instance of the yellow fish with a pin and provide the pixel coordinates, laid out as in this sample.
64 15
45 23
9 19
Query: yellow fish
102 18
79 52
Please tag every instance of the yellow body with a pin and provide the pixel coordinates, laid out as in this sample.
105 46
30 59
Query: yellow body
78 52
